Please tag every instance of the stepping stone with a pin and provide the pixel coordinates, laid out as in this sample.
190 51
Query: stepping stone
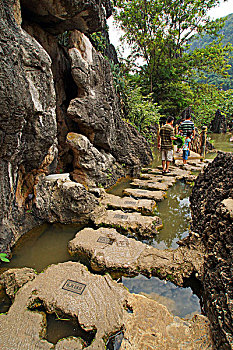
69 289
168 180
137 193
107 249
133 223
154 185
145 206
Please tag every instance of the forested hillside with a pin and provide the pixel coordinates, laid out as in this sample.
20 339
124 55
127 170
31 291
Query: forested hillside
227 37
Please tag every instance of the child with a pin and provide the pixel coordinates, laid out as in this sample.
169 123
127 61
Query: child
186 147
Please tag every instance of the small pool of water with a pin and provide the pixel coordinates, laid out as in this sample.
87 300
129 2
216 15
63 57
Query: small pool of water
42 246
59 328
179 301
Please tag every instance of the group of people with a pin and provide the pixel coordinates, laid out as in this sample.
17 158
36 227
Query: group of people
167 135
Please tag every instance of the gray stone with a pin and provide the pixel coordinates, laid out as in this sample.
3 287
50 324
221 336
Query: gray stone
168 180
155 195
134 223
87 16
107 250
211 204
28 141
96 110
13 279
65 201
92 167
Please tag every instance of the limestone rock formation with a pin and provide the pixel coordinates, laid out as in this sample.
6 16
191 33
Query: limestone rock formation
108 250
87 16
28 141
211 204
219 123
150 326
96 110
68 290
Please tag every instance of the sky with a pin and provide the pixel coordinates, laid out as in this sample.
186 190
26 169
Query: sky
224 9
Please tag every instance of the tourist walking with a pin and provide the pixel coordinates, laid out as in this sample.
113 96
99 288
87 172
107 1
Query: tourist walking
187 126
165 138
186 147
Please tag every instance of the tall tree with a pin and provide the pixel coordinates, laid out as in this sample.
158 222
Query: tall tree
159 31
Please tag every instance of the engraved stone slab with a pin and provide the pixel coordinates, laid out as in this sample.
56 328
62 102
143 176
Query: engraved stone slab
106 240
121 216
74 287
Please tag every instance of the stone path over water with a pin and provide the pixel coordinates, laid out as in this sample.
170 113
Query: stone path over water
101 306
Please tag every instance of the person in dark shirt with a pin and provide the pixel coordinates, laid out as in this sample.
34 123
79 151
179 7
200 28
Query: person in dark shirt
165 138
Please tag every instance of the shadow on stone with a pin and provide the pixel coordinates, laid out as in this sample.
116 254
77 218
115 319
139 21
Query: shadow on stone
5 302
60 326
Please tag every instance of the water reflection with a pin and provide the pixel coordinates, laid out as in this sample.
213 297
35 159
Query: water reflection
42 246
179 301
175 214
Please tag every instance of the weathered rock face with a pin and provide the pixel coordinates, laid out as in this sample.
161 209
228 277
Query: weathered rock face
99 305
92 167
219 123
212 205
58 199
28 120
87 16
96 109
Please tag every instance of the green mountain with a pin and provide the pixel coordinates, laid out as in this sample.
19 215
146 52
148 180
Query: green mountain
202 41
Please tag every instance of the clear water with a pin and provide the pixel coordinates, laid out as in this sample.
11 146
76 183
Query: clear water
42 246
179 301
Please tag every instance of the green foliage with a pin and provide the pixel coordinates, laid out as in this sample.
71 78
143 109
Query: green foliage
63 39
142 111
98 41
226 36
207 99
3 257
118 77
179 141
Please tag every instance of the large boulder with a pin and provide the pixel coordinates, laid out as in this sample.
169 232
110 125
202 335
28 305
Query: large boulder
212 206
58 199
92 167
